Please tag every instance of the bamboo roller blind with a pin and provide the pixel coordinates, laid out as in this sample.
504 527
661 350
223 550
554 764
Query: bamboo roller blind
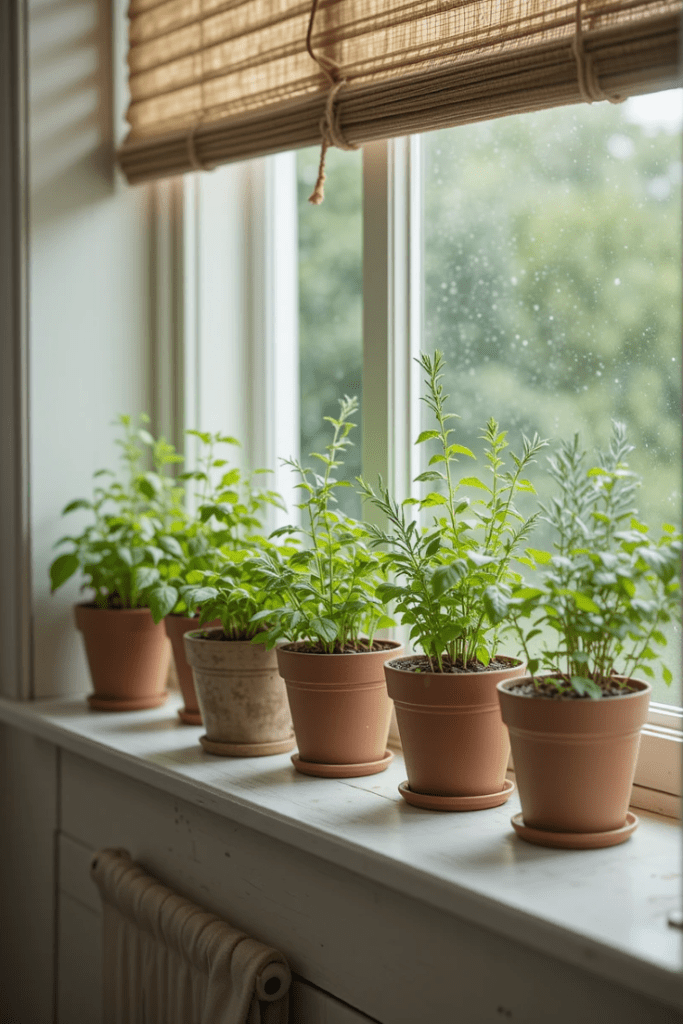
213 81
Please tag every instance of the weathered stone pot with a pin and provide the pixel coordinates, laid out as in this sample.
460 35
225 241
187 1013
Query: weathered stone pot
242 699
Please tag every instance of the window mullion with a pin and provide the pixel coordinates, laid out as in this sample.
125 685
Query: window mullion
391 313
273 301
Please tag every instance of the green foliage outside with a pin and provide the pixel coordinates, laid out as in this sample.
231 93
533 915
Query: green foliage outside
330 303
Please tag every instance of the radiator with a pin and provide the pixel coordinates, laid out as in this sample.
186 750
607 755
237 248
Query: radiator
168 961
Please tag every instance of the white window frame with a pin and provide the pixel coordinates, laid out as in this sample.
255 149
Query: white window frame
226 344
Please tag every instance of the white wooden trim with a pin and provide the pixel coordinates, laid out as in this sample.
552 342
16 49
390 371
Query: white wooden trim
659 760
15 554
392 310
169 266
273 325
666 715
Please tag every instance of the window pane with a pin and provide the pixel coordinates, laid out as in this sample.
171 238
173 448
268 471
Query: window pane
553 284
330 303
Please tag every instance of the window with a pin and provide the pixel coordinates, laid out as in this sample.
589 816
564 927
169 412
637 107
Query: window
541 252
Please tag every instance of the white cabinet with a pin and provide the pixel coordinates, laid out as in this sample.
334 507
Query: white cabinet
365 951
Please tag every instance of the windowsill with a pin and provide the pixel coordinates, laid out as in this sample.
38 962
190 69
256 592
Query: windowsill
602 910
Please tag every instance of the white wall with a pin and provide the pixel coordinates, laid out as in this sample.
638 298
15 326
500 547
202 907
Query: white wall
89 293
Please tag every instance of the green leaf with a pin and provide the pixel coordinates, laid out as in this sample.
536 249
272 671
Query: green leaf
584 602
171 547
584 686
73 505
433 499
447 576
203 594
472 481
667 676
145 576
429 474
324 628
496 604
125 555
433 547
540 557
62 569
162 601
427 435
459 449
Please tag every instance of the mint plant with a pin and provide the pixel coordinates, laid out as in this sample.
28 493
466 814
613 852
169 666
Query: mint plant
442 571
229 516
237 593
117 552
606 589
327 589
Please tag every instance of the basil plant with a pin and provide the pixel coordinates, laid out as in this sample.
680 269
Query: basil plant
116 552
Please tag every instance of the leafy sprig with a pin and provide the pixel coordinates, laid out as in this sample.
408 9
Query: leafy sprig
327 588
229 518
117 552
606 589
441 571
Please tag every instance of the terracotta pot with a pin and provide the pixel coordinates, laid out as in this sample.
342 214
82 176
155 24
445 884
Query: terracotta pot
340 709
128 656
176 626
241 697
574 759
453 738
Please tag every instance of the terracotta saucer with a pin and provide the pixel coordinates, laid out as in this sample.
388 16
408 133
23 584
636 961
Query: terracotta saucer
190 717
430 802
575 840
246 749
133 704
342 771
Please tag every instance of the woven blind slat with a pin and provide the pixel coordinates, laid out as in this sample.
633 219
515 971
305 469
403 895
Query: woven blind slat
213 81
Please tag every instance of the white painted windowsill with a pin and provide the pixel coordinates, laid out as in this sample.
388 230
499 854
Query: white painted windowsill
603 910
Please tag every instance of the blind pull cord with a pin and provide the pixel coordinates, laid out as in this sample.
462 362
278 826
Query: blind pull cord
330 128
589 86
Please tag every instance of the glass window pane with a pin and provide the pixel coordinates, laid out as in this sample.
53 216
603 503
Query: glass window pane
331 303
553 284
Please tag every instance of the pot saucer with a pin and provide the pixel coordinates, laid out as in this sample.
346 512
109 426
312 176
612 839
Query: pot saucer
222 749
430 802
190 717
131 704
342 771
575 840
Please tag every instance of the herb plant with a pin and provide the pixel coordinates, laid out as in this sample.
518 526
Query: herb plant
229 519
442 571
327 589
606 589
236 593
116 553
